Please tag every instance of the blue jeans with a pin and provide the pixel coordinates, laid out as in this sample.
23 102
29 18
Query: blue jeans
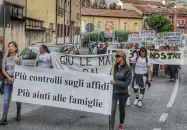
7 96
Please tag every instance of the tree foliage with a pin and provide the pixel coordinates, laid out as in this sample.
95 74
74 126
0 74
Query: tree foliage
99 4
115 6
159 23
86 3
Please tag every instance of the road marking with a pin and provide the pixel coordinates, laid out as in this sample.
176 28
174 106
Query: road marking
157 129
173 96
163 117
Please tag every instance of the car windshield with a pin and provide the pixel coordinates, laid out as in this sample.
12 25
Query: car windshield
32 52
66 48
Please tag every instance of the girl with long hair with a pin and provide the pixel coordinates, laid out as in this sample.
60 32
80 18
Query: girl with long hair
142 75
9 61
121 80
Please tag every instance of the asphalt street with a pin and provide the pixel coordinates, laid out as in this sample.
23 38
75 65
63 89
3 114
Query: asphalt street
160 111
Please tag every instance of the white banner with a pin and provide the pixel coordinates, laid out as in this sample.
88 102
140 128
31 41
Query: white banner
101 64
168 58
60 88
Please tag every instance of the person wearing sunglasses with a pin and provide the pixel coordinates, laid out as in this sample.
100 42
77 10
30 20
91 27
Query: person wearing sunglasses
122 77
142 75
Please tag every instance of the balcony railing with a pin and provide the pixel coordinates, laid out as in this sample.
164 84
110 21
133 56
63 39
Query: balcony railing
60 11
181 25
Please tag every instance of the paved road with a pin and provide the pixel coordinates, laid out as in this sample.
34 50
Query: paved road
146 118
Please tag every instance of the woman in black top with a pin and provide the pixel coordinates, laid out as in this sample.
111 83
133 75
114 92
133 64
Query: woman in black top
121 80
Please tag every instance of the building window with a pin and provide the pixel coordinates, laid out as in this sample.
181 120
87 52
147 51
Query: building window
181 31
181 22
65 30
135 27
32 24
16 11
51 26
68 6
125 26
58 2
62 30
99 25
68 33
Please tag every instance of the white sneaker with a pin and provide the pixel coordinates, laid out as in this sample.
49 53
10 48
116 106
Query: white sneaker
136 102
140 103
128 102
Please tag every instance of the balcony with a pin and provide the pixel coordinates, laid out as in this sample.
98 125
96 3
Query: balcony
181 25
60 11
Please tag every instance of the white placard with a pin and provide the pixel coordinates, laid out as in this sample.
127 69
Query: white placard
65 89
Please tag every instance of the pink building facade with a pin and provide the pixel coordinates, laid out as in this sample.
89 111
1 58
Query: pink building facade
180 21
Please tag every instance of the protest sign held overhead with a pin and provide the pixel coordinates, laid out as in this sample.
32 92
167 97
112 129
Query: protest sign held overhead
83 63
135 36
147 35
60 88
172 38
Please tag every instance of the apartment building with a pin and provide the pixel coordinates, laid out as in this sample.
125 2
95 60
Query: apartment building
68 21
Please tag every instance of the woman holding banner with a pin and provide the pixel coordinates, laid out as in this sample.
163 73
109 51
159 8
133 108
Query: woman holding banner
8 64
122 79
142 75
43 59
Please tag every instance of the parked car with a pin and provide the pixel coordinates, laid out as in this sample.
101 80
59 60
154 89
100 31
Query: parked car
30 53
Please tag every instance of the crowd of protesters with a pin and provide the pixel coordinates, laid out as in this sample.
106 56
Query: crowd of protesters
139 72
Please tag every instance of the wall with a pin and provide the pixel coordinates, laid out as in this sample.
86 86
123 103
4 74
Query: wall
16 33
176 17
44 10
18 2
119 22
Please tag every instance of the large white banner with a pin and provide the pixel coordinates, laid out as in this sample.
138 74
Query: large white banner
60 88
101 64
168 58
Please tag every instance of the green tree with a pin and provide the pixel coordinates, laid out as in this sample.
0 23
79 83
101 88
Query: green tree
115 6
86 3
159 23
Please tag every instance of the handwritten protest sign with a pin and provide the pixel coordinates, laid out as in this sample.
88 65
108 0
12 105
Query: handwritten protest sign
168 58
64 89
172 38
101 64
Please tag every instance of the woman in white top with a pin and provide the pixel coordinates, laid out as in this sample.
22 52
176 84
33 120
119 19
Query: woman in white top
142 75
43 59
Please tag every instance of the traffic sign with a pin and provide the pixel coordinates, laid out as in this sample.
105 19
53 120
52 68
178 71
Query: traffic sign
89 27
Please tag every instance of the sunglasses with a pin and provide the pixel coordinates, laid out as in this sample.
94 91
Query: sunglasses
117 56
